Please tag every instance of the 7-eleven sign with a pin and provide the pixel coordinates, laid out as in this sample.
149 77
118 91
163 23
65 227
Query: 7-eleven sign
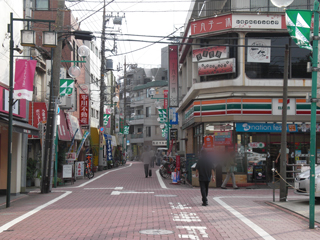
66 86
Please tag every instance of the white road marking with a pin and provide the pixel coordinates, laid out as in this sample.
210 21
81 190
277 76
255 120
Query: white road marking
179 206
249 223
160 179
192 232
186 217
95 178
118 192
116 188
28 214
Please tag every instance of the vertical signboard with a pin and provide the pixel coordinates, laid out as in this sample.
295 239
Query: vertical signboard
84 109
173 75
165 96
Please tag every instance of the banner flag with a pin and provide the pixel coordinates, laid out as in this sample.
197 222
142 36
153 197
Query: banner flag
85 135
126 130
106 119
66 87
23 79
298 25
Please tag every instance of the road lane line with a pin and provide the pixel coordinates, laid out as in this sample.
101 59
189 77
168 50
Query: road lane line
116 188
30 213
160 180
118 192
248 222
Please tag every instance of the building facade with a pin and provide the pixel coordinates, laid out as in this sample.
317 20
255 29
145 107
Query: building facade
231 78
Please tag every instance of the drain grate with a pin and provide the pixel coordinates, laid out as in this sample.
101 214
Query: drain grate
165 195
156 232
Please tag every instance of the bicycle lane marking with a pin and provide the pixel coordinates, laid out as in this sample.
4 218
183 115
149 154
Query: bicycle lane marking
245 220
30 213
162 184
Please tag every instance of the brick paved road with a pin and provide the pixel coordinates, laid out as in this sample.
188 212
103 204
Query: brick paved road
119 203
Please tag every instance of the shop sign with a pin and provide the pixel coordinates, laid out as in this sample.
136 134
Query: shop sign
173 116
257 21
208 141
80 169
165 96
217 67
71 156
84 109
264 127
210 53
173 75
174 134
277 105
159 143
257 145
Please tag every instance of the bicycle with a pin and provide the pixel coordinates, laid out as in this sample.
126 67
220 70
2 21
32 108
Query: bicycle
88 171
167 168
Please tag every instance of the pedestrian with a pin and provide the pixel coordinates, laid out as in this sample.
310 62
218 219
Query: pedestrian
153 158
205 171
146 160
230 169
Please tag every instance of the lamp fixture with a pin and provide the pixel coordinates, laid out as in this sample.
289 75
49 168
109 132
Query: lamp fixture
28 38
49 39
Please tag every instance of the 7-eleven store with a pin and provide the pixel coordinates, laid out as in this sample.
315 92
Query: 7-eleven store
254 125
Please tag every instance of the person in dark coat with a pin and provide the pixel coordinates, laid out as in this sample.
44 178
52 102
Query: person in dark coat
205 171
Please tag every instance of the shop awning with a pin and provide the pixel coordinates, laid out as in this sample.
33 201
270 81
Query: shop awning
21 127
94 132
74 126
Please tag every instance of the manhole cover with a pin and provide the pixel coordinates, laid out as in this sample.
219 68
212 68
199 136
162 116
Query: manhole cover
165 195
156 232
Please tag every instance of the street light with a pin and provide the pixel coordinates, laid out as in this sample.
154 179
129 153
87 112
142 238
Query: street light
285 3
27 39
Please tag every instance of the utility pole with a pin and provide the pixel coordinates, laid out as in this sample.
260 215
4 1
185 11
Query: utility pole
54 93
283 159
102 86
124 101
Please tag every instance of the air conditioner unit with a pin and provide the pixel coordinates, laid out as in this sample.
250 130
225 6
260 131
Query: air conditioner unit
65 102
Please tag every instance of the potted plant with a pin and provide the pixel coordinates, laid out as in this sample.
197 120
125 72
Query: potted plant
31 171
37 180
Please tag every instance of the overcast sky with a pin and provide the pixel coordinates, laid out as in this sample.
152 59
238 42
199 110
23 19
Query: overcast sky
145 17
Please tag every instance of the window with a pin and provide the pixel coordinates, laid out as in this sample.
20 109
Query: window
92 112
158 130
148 112
42 4
225 39
139 130
274 70
97 114
148 131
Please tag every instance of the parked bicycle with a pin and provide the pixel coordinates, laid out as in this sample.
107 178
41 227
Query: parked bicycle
167 167
88 171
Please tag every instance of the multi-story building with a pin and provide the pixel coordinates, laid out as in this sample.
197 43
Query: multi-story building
231 79
141 111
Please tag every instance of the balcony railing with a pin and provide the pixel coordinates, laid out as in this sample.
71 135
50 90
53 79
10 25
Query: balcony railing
135 136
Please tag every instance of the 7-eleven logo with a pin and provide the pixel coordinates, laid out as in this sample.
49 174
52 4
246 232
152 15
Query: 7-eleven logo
66 87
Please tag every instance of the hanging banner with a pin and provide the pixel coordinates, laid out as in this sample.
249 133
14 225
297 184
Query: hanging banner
173 75
84 109
117 123
66 87
106 119
259 50
109 150
85 135
165 96
108 125
210 53
126 130
37 114
298 25
23 79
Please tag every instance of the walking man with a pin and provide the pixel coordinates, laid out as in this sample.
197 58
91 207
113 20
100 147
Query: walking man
146 160
205 171
230 169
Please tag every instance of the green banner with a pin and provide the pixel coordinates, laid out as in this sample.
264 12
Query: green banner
126 130
121 125
298 25
106 119
66 86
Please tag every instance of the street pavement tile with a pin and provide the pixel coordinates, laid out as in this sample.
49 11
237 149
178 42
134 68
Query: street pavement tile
119 203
